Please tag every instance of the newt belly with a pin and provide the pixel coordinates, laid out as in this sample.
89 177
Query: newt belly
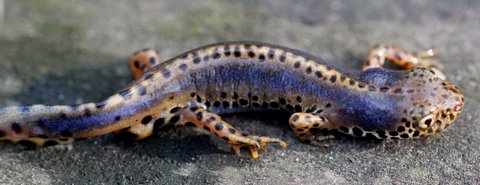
193 88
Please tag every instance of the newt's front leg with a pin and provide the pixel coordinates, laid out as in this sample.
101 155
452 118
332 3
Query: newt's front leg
303 124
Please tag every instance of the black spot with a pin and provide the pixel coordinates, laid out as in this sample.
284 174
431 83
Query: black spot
352 81
361 85
148 76
251 54
300 130
216 104
206 128
219 127
416 133
225 138
196 60
261 57
271 53
174 119
166 73
318 74
235 95
226 104
408 124
410 91
357 131
2 134
199 99
153 61
216 55
142 90
274 105
282 58
382 134
308 70
50 143
192 94
243 102
210 120
136 63
28 144
146 119
232 130
66 133
237 52
183 67
342 77
298 108
174 110
206 58
428 122
282 101
190 124
299 99
100 105
16 128
117 118
404 136
125 93
344 129
328 105
88 112
289 108
297 64
158 123
400 129
333 78
393 133
193 109
227 52
371 88
223 95
384 89
255 98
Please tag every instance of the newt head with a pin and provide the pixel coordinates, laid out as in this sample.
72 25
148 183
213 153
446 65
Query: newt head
436 102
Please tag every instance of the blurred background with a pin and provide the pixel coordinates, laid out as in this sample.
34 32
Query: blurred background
68 52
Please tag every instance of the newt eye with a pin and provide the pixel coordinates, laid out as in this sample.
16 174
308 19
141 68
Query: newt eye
426 121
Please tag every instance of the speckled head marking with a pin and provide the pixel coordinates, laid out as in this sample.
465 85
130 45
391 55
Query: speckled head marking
435 103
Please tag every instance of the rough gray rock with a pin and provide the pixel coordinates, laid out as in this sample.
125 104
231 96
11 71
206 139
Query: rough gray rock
67 52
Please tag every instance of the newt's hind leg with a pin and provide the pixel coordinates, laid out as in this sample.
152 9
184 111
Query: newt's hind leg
406 60
201 118
304 125
143 60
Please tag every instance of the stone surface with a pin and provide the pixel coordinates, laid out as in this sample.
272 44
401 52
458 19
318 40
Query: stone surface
68 52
